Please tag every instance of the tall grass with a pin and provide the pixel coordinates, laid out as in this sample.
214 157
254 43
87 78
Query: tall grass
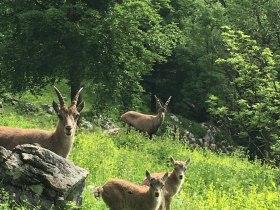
213 181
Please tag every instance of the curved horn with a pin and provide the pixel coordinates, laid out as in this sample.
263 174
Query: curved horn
167 102
158 101
60 98
76 97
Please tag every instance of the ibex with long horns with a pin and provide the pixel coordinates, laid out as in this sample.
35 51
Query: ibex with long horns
144 122
173 183
59 141
121 194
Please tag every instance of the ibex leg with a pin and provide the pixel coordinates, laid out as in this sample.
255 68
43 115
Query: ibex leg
128 129
168 204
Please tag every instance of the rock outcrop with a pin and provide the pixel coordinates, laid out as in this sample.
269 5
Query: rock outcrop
40 176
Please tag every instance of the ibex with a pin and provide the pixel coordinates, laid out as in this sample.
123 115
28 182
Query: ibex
173 183
59 141
119 194
144 122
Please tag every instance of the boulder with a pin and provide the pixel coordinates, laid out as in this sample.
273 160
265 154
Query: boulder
88 125
41 177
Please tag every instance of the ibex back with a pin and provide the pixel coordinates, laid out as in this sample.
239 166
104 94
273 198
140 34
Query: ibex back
60 141
120 194
144 122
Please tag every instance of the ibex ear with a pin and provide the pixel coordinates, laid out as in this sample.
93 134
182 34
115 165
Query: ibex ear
172 160
55 106
81 106
188 161
148 175
164 178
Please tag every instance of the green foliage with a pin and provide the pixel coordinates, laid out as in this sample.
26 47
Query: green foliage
110 45
213 182
131 39
190 74
250 107
256 18
170 127
40 45
7 202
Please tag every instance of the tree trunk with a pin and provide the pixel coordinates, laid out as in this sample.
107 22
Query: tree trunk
75 84
153 103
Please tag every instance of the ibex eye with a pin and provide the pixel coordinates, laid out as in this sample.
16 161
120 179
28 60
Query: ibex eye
60 116
77 116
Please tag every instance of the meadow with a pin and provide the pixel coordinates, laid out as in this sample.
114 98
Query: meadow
213 181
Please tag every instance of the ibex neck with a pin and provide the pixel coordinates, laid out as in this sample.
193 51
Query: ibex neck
161 116
174 183
62 144
155 202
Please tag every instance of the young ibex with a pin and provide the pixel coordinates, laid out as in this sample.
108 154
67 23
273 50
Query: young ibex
173 183
144 122
60 141
120 194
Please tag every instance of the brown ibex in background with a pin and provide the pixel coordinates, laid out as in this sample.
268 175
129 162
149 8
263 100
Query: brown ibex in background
60 141
173 183
144 122
120 194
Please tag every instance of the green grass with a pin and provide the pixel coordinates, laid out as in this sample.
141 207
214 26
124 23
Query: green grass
212 181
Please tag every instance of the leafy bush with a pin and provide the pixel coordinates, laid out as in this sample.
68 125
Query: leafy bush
248 107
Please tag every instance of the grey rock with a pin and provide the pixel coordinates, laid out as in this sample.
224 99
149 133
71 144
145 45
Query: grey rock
40 176
88 125
50 110
113 131
175 118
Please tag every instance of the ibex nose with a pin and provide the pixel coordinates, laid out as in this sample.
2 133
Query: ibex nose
68 127
156 194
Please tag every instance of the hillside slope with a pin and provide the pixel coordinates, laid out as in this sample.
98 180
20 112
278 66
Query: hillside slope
212 181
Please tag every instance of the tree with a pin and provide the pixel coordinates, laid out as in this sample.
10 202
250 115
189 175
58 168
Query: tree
190 73
131 38
258 18
42 42
249 107
113 43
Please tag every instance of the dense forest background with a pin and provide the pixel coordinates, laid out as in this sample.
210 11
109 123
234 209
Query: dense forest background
218 59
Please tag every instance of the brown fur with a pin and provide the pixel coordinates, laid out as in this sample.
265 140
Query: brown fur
144 122
120 194
173 183
60 141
